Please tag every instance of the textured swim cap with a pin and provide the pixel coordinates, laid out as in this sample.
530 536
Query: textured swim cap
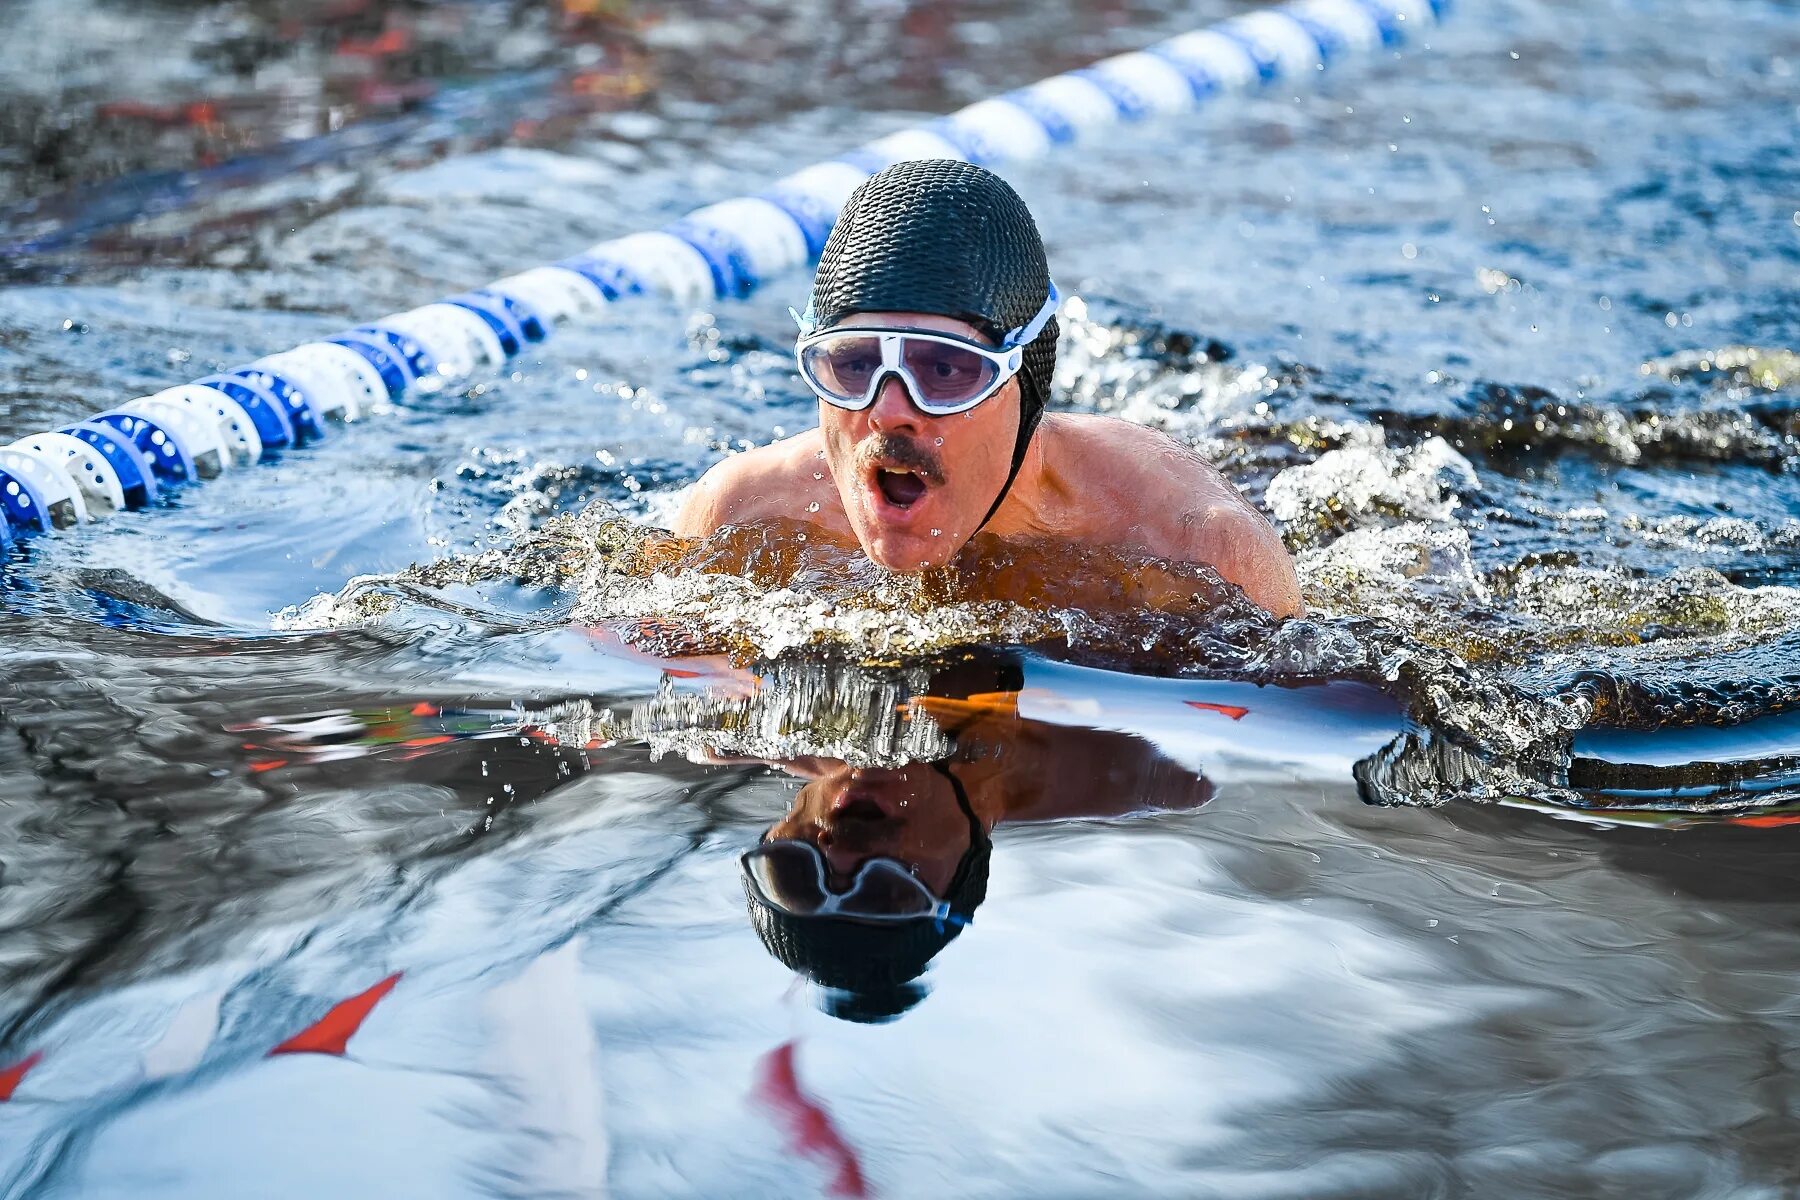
945 237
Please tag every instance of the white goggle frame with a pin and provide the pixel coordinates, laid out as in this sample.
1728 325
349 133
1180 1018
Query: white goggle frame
1007 358
893 362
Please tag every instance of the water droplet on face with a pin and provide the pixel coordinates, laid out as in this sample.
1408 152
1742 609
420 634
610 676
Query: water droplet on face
818 474
820 454
937 533
813 507
937 441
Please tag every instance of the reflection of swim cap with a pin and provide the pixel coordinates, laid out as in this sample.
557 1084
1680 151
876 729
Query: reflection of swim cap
874 963
944 237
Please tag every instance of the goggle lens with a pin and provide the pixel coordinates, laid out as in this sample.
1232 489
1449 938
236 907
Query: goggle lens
947 374
843 367
943 376
786 876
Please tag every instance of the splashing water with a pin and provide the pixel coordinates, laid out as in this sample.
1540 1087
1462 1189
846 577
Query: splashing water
1501 660
1502 335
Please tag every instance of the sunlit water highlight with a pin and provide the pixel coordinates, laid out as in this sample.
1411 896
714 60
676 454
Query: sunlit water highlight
1502 335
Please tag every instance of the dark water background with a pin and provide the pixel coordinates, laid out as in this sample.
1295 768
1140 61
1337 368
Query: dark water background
1502 332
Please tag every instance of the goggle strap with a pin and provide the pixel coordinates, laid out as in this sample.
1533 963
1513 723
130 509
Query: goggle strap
945 916
1028 332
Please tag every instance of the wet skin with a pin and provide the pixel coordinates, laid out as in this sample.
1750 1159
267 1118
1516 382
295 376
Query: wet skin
853 814
912 488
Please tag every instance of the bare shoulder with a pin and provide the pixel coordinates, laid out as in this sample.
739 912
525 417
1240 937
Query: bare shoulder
1151 479
1132 453
769 481
1166 497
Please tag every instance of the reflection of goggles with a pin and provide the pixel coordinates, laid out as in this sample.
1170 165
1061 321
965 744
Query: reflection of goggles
790 876
942 372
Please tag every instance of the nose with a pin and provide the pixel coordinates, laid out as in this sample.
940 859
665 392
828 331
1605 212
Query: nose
841 867
893 410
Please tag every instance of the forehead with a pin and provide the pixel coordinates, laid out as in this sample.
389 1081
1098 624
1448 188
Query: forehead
912 320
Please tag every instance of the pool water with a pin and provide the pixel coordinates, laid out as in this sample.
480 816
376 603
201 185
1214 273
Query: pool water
357 840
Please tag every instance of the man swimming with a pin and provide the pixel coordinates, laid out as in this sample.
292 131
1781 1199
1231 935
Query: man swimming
930 342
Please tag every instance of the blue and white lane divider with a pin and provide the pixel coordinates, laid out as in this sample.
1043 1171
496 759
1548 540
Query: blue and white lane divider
131 456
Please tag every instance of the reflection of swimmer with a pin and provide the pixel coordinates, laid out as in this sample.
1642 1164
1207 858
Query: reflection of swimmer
872 871
930 341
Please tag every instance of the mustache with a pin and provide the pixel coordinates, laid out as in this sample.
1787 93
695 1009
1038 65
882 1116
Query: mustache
892 450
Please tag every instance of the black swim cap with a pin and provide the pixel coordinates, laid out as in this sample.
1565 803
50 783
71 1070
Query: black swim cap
945 237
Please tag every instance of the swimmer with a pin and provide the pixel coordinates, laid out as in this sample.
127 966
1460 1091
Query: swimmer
930 341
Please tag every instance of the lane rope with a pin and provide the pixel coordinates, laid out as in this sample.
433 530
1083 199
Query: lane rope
138 454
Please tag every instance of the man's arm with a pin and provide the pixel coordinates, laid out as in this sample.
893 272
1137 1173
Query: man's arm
1239 543
760 484
1052 772
1200 517
702 510
733 491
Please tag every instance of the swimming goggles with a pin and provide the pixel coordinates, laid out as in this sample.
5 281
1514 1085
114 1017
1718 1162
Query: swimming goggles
943 373
789 875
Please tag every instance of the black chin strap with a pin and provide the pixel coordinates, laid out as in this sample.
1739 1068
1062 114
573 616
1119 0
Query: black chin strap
1019 453
977 833
1001 498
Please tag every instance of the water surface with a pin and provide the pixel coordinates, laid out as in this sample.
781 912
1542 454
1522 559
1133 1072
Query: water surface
1490 891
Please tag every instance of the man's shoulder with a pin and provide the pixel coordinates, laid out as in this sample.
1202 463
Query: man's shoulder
1111 449
761 463
1142 485
756 483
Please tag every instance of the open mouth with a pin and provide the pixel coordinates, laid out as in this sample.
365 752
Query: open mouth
858 807
900 488
853 821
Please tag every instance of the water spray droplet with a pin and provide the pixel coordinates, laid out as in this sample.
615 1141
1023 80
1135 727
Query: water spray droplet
813 507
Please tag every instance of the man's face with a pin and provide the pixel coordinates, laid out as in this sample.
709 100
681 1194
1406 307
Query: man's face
915 486
853 814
